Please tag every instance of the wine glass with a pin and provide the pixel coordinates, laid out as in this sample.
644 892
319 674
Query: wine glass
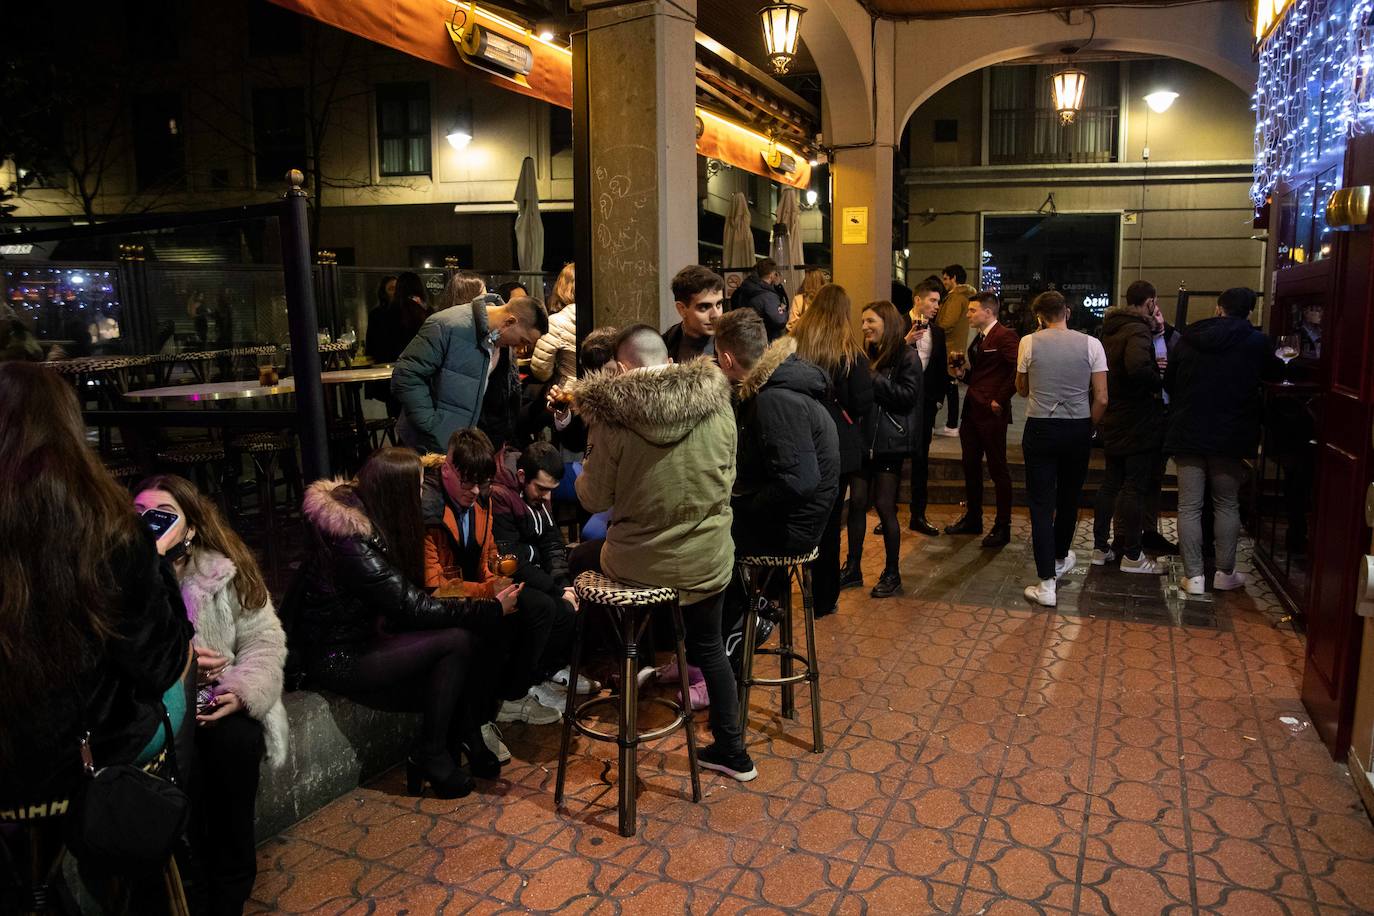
1287 350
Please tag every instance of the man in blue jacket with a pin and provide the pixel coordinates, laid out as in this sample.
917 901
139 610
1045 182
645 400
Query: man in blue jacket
441 377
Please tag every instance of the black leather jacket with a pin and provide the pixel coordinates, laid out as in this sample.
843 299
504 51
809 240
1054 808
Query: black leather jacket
352 591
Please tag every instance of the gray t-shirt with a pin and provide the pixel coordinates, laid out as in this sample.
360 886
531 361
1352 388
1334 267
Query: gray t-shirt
1060 363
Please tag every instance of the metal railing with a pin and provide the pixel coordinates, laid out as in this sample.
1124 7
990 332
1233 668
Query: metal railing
1030 137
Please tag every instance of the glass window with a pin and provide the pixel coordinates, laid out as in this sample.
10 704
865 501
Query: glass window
1023 126
278 133
159 147
151 29
403 142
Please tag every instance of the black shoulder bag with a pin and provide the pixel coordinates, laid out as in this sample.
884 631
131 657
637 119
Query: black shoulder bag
125 817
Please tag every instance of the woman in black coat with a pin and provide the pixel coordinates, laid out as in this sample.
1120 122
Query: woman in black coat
894 430
825 337
370 632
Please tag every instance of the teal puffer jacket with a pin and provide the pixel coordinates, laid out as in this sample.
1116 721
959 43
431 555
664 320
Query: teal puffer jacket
441 377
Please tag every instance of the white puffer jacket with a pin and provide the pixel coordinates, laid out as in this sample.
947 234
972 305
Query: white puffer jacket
253 642
555 354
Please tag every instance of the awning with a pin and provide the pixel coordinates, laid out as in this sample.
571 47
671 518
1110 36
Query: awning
420 28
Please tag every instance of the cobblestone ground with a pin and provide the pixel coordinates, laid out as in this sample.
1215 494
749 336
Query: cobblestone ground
1119 754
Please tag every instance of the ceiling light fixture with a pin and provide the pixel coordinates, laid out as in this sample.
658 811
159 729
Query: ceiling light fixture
1068 93
781 29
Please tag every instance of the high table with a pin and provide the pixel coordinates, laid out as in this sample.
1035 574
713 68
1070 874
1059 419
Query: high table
351 381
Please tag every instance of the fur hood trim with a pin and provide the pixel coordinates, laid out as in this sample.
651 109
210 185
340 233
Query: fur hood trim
334 508
662 404
772 358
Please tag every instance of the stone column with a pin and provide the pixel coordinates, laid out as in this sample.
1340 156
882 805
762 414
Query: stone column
639 181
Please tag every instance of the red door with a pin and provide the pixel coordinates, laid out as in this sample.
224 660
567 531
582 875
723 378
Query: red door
1344 429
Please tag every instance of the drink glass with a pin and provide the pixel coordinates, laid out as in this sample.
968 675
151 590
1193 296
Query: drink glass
1288 349
267 369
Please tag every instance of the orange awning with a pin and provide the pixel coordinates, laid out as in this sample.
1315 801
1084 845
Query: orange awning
419 28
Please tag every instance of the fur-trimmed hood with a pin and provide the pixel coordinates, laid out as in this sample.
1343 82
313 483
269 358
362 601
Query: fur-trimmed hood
334 508
661 404
773 366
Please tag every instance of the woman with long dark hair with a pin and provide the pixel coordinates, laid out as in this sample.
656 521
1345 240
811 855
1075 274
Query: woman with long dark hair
93 635
240 652
825 336
895 420
390 328
371 632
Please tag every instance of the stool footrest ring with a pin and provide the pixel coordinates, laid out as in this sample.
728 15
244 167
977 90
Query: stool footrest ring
680 718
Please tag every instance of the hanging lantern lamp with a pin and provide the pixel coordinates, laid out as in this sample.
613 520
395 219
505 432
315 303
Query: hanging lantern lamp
1068 88
781 29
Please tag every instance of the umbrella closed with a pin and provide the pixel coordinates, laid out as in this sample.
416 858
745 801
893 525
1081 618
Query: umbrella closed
737 246
789 216
529 225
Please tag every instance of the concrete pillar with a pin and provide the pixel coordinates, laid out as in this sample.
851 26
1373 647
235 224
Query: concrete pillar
640 180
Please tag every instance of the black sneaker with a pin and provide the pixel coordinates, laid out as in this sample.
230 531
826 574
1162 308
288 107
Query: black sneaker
889 584
737 766
851 576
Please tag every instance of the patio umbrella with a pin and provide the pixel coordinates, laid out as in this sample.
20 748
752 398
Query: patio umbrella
737 245
789 217
529 226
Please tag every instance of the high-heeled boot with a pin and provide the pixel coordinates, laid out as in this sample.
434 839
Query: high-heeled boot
445 777
481 761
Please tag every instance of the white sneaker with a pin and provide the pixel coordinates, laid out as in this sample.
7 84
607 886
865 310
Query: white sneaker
554 696
1103 557
585 685
947 431
491 737
1042 594
528 709
1141 564
1062 566
1193 585
1225 582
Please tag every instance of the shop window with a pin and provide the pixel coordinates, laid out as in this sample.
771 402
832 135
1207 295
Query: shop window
278 133
403 141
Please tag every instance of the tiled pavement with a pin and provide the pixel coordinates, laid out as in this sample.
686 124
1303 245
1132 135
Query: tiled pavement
1117 755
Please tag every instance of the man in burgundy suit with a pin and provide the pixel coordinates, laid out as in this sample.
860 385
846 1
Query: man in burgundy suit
991 377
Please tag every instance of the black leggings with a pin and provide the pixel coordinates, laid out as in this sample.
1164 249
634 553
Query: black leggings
422 671
881 480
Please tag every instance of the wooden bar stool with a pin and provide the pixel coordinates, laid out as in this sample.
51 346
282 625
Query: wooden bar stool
632 607
270 452
757 572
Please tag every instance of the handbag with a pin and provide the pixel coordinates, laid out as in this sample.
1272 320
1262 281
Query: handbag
125 817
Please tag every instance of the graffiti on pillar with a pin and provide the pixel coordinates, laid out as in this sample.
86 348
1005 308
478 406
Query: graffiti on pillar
624 189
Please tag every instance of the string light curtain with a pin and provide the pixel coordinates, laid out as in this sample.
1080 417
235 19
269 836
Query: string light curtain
1313 91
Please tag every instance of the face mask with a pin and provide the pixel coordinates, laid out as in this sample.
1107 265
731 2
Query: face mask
178 550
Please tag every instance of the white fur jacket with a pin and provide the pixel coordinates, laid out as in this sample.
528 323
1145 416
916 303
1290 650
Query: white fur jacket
253 642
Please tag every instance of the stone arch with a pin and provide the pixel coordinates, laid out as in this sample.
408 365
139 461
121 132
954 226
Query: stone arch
1209 35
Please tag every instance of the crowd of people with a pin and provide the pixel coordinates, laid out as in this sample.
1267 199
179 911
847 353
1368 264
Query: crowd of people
439 580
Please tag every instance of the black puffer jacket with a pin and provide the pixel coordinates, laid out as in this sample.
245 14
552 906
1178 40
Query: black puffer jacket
352 589
770 305
1134 421
1213 382
850 401
788 468
895 421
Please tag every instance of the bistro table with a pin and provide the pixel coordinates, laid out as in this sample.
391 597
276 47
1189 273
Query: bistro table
351 381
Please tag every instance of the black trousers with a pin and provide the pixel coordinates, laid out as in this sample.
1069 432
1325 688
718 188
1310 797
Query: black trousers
952 402
537 639
1122 500
228 756
1056 465
825 572
920 461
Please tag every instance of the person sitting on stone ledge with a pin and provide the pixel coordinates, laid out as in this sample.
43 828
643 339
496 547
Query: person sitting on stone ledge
661 457
370 631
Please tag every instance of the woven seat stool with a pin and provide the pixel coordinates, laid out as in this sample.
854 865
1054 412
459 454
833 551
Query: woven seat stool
380 431
268 451
202 460
758 572
632 607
